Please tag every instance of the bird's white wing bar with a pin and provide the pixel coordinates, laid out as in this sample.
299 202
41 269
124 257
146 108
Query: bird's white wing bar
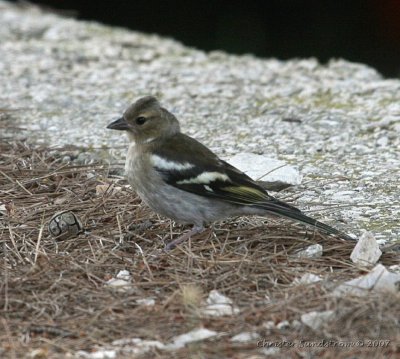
166 165
205 178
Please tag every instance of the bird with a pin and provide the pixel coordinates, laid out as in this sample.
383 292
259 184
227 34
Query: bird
180 178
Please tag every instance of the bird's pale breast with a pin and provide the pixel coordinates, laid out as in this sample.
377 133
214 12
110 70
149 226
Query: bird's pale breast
181 206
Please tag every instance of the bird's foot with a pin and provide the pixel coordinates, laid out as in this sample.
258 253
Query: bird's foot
184 237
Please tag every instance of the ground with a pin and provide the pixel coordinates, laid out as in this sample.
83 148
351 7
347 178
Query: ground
54 298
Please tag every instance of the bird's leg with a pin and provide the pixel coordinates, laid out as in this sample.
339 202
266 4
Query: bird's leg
184 237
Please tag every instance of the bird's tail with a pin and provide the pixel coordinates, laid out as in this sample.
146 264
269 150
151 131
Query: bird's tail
284 210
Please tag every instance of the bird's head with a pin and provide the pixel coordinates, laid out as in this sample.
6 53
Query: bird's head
145 120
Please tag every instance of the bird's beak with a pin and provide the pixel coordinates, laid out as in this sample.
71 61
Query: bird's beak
119 124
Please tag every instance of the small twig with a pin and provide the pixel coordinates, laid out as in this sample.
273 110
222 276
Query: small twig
170 298
9 337
121 236
17 182
38 241
14 244
273 170
145 261
5 278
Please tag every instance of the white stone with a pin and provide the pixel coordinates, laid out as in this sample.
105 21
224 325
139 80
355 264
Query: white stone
366 252
98 354
264 168
315 320
124 274
131 346
122 281
395 268
379 279
35 353
137 346
218 305
147 302
118 283
269 324
245 337
193 336
313 251
307 278
284 324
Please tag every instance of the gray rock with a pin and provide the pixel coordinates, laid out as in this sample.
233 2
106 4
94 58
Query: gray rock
366 252
313 251
218 305
307 278
284 324
245 337
263 168
379 279
315 320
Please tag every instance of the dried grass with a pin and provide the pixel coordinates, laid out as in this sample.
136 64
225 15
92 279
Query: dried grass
52 293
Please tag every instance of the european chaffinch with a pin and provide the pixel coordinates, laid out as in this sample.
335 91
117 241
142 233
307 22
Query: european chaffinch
180 178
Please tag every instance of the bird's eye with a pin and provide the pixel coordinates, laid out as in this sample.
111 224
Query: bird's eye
141 120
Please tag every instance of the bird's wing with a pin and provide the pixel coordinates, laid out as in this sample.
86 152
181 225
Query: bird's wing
188 165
